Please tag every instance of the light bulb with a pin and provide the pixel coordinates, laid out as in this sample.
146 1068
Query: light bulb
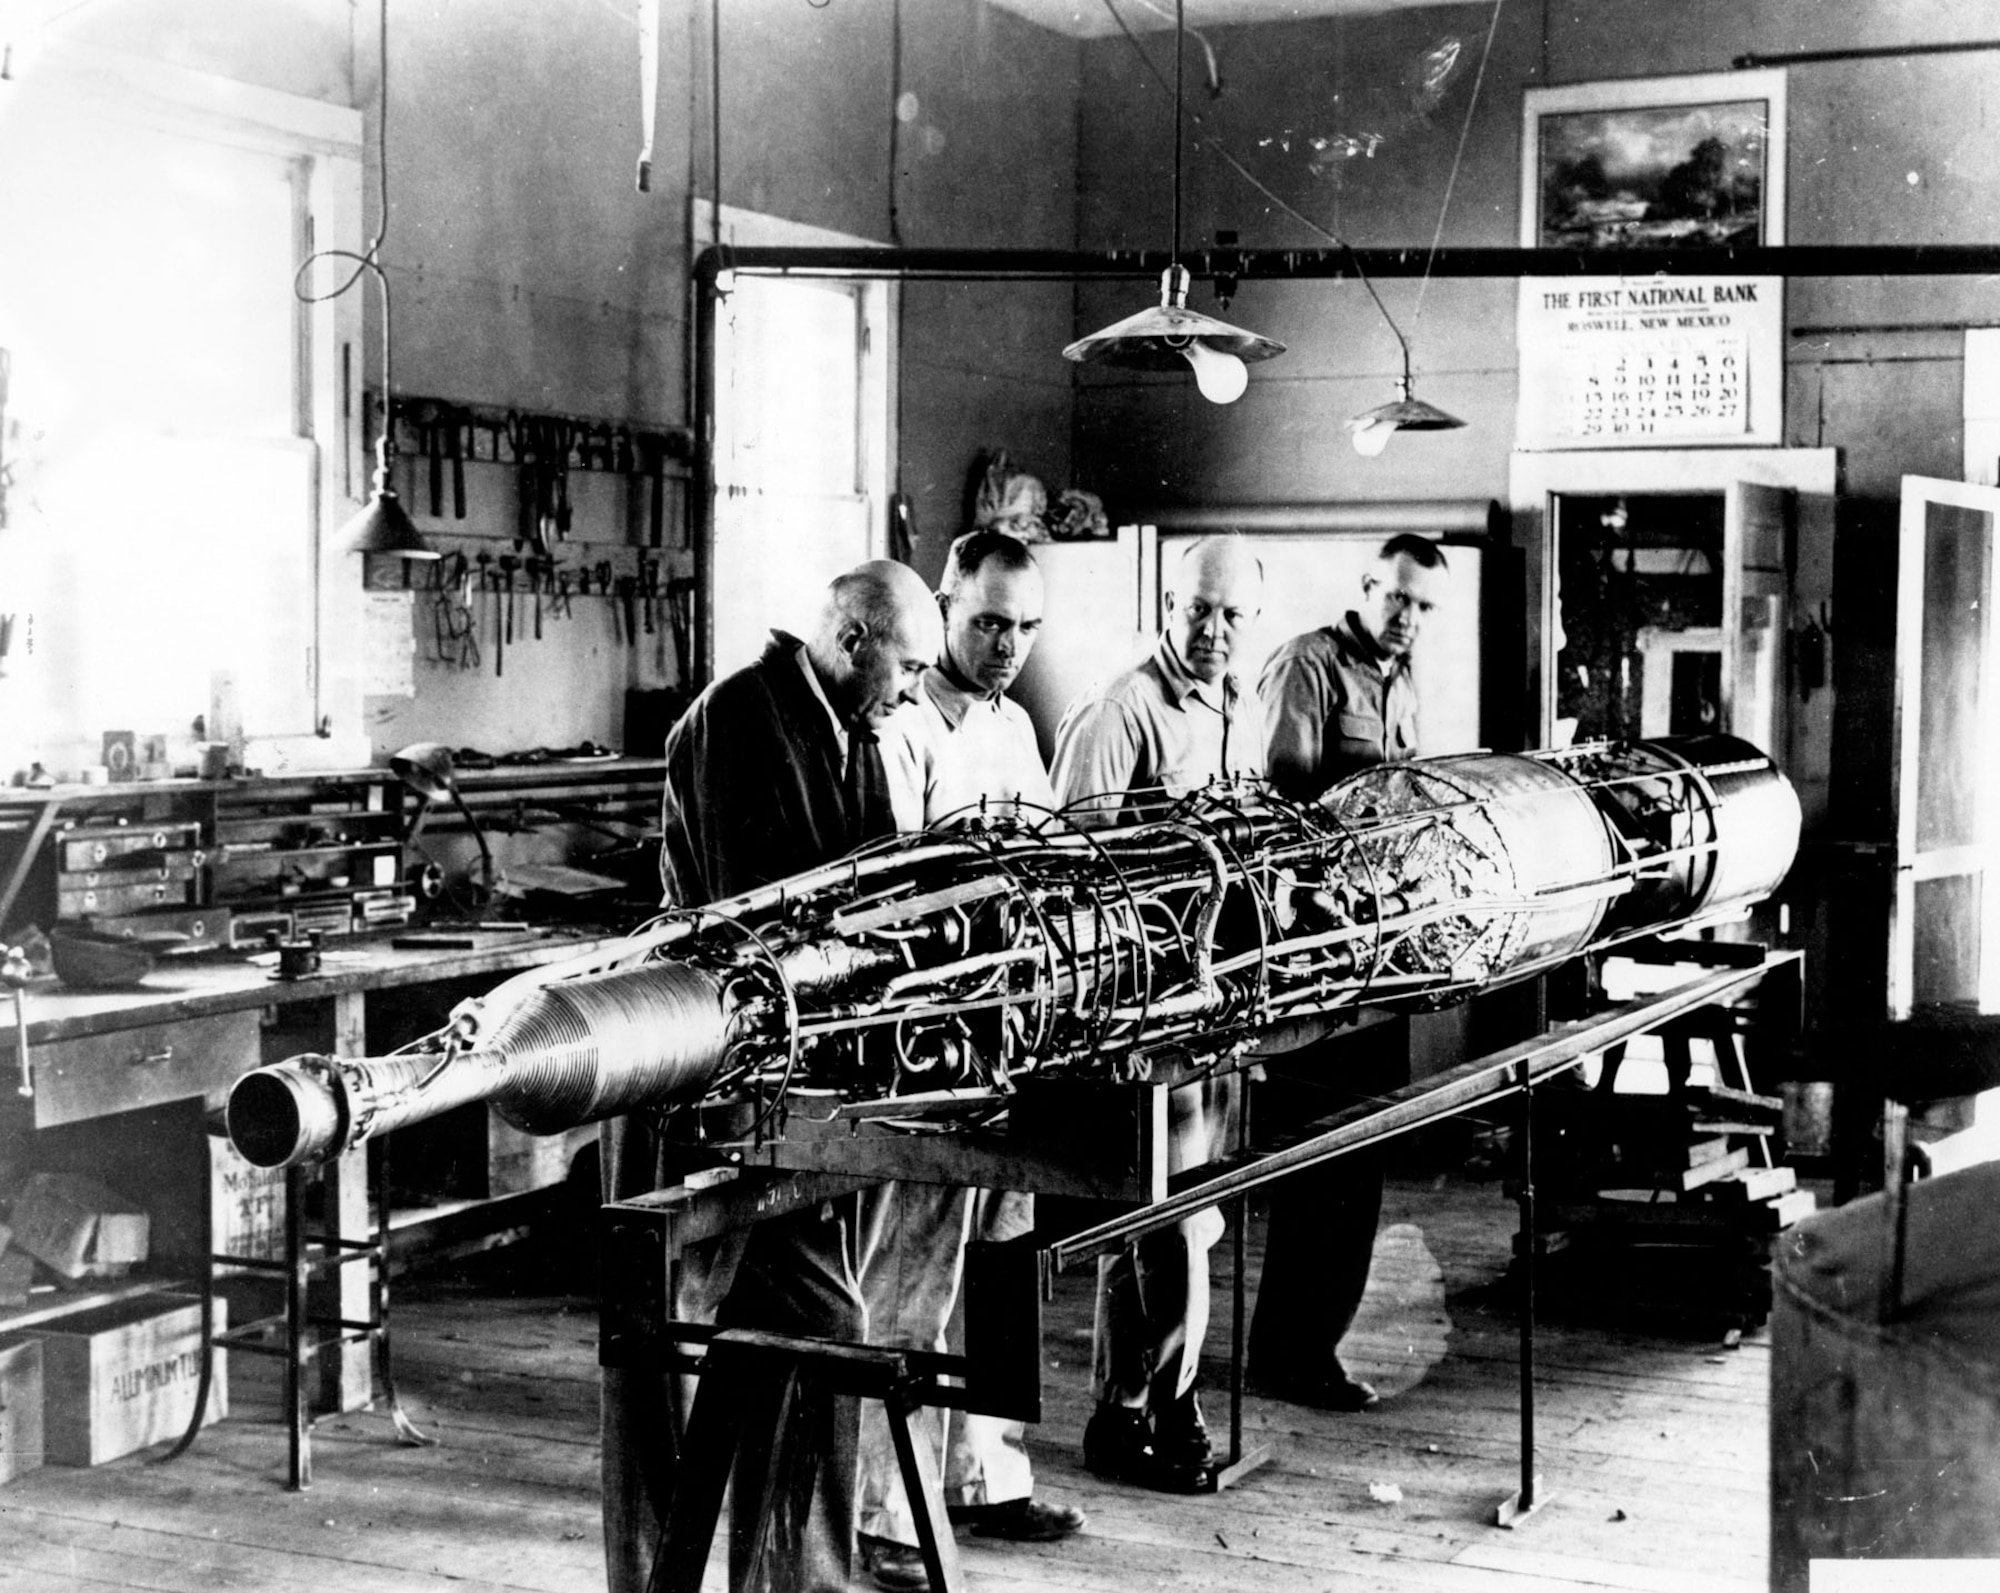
1372 438
1221 377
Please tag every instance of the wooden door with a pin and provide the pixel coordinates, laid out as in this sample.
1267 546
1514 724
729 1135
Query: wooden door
1944 936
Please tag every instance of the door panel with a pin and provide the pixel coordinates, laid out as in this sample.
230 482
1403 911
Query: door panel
1944 941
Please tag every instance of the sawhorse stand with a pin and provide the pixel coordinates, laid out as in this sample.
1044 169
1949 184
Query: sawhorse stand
756 1384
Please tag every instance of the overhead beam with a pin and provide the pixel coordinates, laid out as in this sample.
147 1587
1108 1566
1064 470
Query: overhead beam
1286 265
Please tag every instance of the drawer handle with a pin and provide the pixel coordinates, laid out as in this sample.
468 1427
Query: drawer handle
147 1059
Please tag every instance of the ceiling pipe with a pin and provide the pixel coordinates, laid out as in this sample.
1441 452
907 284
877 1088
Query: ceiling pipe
1232 266
1744 63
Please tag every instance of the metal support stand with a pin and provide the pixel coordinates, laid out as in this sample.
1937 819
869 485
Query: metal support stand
1527 1499
295 1334
1240 1463
768 1382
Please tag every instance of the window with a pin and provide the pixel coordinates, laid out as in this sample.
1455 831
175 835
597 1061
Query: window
802 443
166 387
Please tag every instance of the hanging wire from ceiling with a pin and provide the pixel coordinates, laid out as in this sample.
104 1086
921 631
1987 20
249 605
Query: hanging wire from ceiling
895 120
1457 159
1373 428
382 526
1170 336
715 121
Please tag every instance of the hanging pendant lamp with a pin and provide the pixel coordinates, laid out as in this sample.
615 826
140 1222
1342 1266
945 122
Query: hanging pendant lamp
1169 336
383 525
1373 428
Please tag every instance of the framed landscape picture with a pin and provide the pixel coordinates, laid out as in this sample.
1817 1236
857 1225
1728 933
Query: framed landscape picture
1663 162
1652 360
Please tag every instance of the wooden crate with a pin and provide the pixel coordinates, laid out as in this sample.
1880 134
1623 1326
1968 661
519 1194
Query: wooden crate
20 1404
246 1204
124 1376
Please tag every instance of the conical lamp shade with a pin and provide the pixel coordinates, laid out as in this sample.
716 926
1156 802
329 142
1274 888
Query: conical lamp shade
384 527
1407 414
1153 339
1373 429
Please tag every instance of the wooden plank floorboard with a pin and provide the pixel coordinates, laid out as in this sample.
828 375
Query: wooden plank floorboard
1660 1427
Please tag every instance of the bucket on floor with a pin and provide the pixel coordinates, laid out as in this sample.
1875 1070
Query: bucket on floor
1885 1435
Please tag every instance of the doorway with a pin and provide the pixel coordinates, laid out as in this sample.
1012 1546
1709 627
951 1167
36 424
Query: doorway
1638 615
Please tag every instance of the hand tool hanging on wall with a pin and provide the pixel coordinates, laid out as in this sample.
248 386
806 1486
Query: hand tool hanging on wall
653 460
564 437
489 582
604 591
508 565
525 433
431 422
649 588
456 424
536 567
680 619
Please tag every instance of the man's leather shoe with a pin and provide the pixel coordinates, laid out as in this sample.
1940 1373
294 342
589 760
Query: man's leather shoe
1118 1443
1334 1391
1181 1436
1028 1520
892 1566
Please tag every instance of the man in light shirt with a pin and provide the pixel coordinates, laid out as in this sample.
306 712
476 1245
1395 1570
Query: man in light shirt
1336 700
971 755
1151 735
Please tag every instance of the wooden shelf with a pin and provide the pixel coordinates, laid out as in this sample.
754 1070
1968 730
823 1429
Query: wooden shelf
57 1303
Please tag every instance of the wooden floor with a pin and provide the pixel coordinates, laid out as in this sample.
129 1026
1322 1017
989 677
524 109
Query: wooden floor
1652 1447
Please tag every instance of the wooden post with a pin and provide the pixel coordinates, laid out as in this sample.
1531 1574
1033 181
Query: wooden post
346 1378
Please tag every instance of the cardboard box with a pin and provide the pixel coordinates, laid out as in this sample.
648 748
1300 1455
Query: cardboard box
124 1376
17 1277
246 1204
20 1404
78 1227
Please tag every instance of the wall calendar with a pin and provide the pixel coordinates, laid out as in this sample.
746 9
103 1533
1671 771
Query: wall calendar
1650 362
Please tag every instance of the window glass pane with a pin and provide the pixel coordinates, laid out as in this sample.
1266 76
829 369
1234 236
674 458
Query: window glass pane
1956 557
146 279
790 414
163 508
775 558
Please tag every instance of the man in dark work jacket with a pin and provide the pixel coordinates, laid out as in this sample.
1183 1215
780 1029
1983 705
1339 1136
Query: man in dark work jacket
773 770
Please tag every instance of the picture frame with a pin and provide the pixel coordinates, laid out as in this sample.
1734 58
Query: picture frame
1646 360
1684 162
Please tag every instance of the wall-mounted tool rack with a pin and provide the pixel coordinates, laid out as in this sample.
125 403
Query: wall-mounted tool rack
544 448
484 597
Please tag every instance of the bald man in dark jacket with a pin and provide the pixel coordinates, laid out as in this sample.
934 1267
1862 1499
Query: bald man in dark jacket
773 770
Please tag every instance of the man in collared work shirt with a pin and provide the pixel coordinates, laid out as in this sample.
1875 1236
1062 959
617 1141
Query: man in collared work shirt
1155 733
971 754
1335 700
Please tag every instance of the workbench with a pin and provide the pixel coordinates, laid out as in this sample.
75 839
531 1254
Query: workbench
123 1082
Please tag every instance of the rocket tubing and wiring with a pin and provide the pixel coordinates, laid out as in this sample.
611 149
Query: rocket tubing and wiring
972 957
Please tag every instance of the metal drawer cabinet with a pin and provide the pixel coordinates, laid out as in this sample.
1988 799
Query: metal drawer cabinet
124 1069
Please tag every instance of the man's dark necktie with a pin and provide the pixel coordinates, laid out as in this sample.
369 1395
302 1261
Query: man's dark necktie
868 808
